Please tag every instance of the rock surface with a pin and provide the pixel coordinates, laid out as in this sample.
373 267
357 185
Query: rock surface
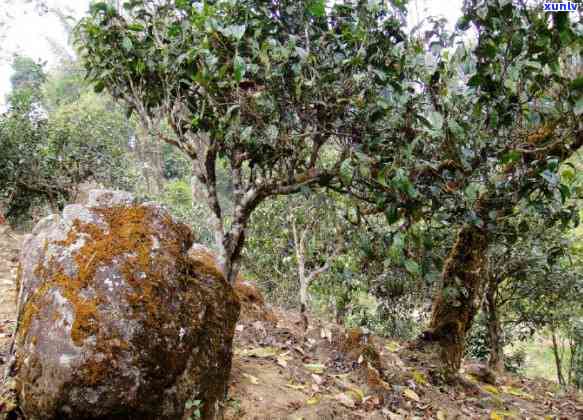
115 321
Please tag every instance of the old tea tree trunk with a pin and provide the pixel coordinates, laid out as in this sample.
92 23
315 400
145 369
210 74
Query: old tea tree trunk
464 271
455 305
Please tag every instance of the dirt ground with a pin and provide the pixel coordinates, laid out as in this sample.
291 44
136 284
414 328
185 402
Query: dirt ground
278 375
9 249
280 372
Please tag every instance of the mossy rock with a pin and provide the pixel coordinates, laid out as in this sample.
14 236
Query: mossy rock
115 321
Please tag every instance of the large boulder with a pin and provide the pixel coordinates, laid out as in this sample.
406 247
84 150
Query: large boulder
115 321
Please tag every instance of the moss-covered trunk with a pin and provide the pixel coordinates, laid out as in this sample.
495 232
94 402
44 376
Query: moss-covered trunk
455 304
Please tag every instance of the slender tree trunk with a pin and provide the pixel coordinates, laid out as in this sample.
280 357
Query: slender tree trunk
558 361
300 257
456 303
496 358
341 311
158 163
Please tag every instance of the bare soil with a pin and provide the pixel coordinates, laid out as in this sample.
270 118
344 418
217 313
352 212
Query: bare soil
280 372
9 248
274 378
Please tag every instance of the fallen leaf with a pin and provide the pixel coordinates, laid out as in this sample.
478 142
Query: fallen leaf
516 392
491 389
392 346
471 378
313 401
394 416
261 352
299 350
296 386
495 416
326 333
440 415
345 400
412 395
282 361
357 393
315 367
419 377
239 327
318 379
251 378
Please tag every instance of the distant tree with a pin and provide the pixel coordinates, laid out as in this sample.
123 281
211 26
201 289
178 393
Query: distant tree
44 150
532 279
27 74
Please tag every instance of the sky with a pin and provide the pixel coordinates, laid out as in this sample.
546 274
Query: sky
28 31
27 34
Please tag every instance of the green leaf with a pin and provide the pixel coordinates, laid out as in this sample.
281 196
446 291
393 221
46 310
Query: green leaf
516 44
239 68
392 214
98 7
136 27
476 80
436 120
456 129
412 267
550 177
99 87
183 4
234 31
435 47
510 157
317 8
565 193
577 84
346 172
127 44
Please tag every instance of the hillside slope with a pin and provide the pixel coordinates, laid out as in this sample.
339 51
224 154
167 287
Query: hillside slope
332 373
344 374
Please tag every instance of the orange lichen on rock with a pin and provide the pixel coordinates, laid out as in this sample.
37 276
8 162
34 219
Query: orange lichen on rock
85 323
31 310
205 261
248 292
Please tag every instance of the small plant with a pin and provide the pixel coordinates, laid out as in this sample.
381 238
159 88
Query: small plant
235 404
515 361
195 406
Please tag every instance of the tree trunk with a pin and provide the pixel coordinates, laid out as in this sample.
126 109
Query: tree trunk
558 361
455 304
341 311
496 358
304 282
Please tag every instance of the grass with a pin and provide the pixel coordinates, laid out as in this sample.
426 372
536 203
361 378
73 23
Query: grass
540 360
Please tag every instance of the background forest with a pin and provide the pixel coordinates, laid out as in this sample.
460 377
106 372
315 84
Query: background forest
447 141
